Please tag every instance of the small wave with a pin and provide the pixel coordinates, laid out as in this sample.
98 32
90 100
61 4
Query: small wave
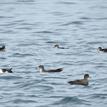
21 55
8 24
67 3
69 100
2 58
10 77
32 84
24 28
98 96
100 18
52 42
94 42
27 44
77 22
85 18
26 1
58 13
43 106
17 2
18 101
73 23
56 42
44 32
9 32
3 17
44 87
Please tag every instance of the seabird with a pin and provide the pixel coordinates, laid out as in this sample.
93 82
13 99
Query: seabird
102 49
42 69
2 48
4 70
84 81
57 46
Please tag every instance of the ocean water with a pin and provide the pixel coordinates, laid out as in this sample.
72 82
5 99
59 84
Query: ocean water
29 29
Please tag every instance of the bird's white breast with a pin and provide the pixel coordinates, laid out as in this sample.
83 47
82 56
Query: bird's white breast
1 71
41 70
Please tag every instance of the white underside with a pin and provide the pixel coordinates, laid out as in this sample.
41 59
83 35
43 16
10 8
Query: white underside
41 71
1 71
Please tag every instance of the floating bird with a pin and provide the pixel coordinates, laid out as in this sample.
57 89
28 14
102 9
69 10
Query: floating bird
102 49
84 81
42 69
6 70
57 46
2 48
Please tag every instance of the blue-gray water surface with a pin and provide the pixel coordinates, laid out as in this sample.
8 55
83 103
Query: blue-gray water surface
29 29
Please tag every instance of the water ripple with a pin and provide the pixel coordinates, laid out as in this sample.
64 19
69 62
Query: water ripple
21 101
73 23
67 3
29 29
70 100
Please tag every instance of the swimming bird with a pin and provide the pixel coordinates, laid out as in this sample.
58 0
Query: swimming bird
4 70
42 69
2 48
84 81
102 49
57 46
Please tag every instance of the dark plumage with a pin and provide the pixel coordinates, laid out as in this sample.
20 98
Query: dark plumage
84 81
2 48
4 70
57 46
42 69
102 49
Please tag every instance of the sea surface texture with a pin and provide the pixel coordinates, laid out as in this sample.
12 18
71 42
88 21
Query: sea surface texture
29 29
